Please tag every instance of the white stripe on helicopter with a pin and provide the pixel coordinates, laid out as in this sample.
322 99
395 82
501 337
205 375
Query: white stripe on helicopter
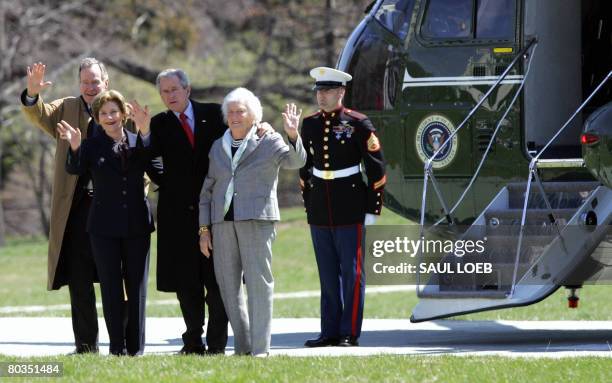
411 82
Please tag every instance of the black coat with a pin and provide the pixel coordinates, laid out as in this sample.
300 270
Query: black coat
119 208
178 251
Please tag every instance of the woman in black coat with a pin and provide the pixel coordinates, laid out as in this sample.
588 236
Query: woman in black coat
120 222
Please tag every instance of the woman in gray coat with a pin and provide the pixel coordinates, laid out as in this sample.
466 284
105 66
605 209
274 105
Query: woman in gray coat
239 199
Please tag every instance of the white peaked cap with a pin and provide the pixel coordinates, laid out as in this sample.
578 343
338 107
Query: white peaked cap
329 77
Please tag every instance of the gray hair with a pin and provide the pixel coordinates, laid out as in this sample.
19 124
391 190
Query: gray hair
179 73
246 97
88 62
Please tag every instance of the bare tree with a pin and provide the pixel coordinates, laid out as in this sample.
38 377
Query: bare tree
2 223
330 38
284 39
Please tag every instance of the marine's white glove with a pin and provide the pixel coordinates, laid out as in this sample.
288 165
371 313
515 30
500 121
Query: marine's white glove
370 219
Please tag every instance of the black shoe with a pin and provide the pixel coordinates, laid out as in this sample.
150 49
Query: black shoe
215 351
348 341
193 350
84 349
134 353
321 341
118 352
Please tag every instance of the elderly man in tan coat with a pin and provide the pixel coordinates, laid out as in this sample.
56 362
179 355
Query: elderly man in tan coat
70 260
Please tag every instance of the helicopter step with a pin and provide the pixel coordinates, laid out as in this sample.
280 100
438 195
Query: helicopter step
500 252
559 234
561 163
505 217
560 194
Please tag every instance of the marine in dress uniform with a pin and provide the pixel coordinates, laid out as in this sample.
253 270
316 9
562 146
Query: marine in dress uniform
340 143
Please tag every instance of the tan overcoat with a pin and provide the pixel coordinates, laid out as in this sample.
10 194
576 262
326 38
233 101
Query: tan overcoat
45 117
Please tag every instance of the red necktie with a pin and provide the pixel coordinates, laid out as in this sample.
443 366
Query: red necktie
187 129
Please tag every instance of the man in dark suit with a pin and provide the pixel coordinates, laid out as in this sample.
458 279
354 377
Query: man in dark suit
183 136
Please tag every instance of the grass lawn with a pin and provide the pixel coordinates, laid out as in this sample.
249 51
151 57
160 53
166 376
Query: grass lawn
23 275
154 368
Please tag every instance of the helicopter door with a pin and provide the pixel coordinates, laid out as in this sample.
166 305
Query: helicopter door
458 49
553 90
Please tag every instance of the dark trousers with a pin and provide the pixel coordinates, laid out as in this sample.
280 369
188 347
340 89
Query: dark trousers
79 260
339 254
191 298
119 259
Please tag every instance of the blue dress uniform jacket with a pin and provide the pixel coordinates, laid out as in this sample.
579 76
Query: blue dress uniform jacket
120 208
334 141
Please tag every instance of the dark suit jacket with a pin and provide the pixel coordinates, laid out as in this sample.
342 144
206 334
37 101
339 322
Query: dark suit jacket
178 254
119 208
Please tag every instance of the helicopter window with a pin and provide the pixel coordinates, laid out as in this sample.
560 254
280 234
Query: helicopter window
495 19
394 15
448 19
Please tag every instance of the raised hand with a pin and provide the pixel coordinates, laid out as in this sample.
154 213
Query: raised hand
291 121
36 79
141 117
70 134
